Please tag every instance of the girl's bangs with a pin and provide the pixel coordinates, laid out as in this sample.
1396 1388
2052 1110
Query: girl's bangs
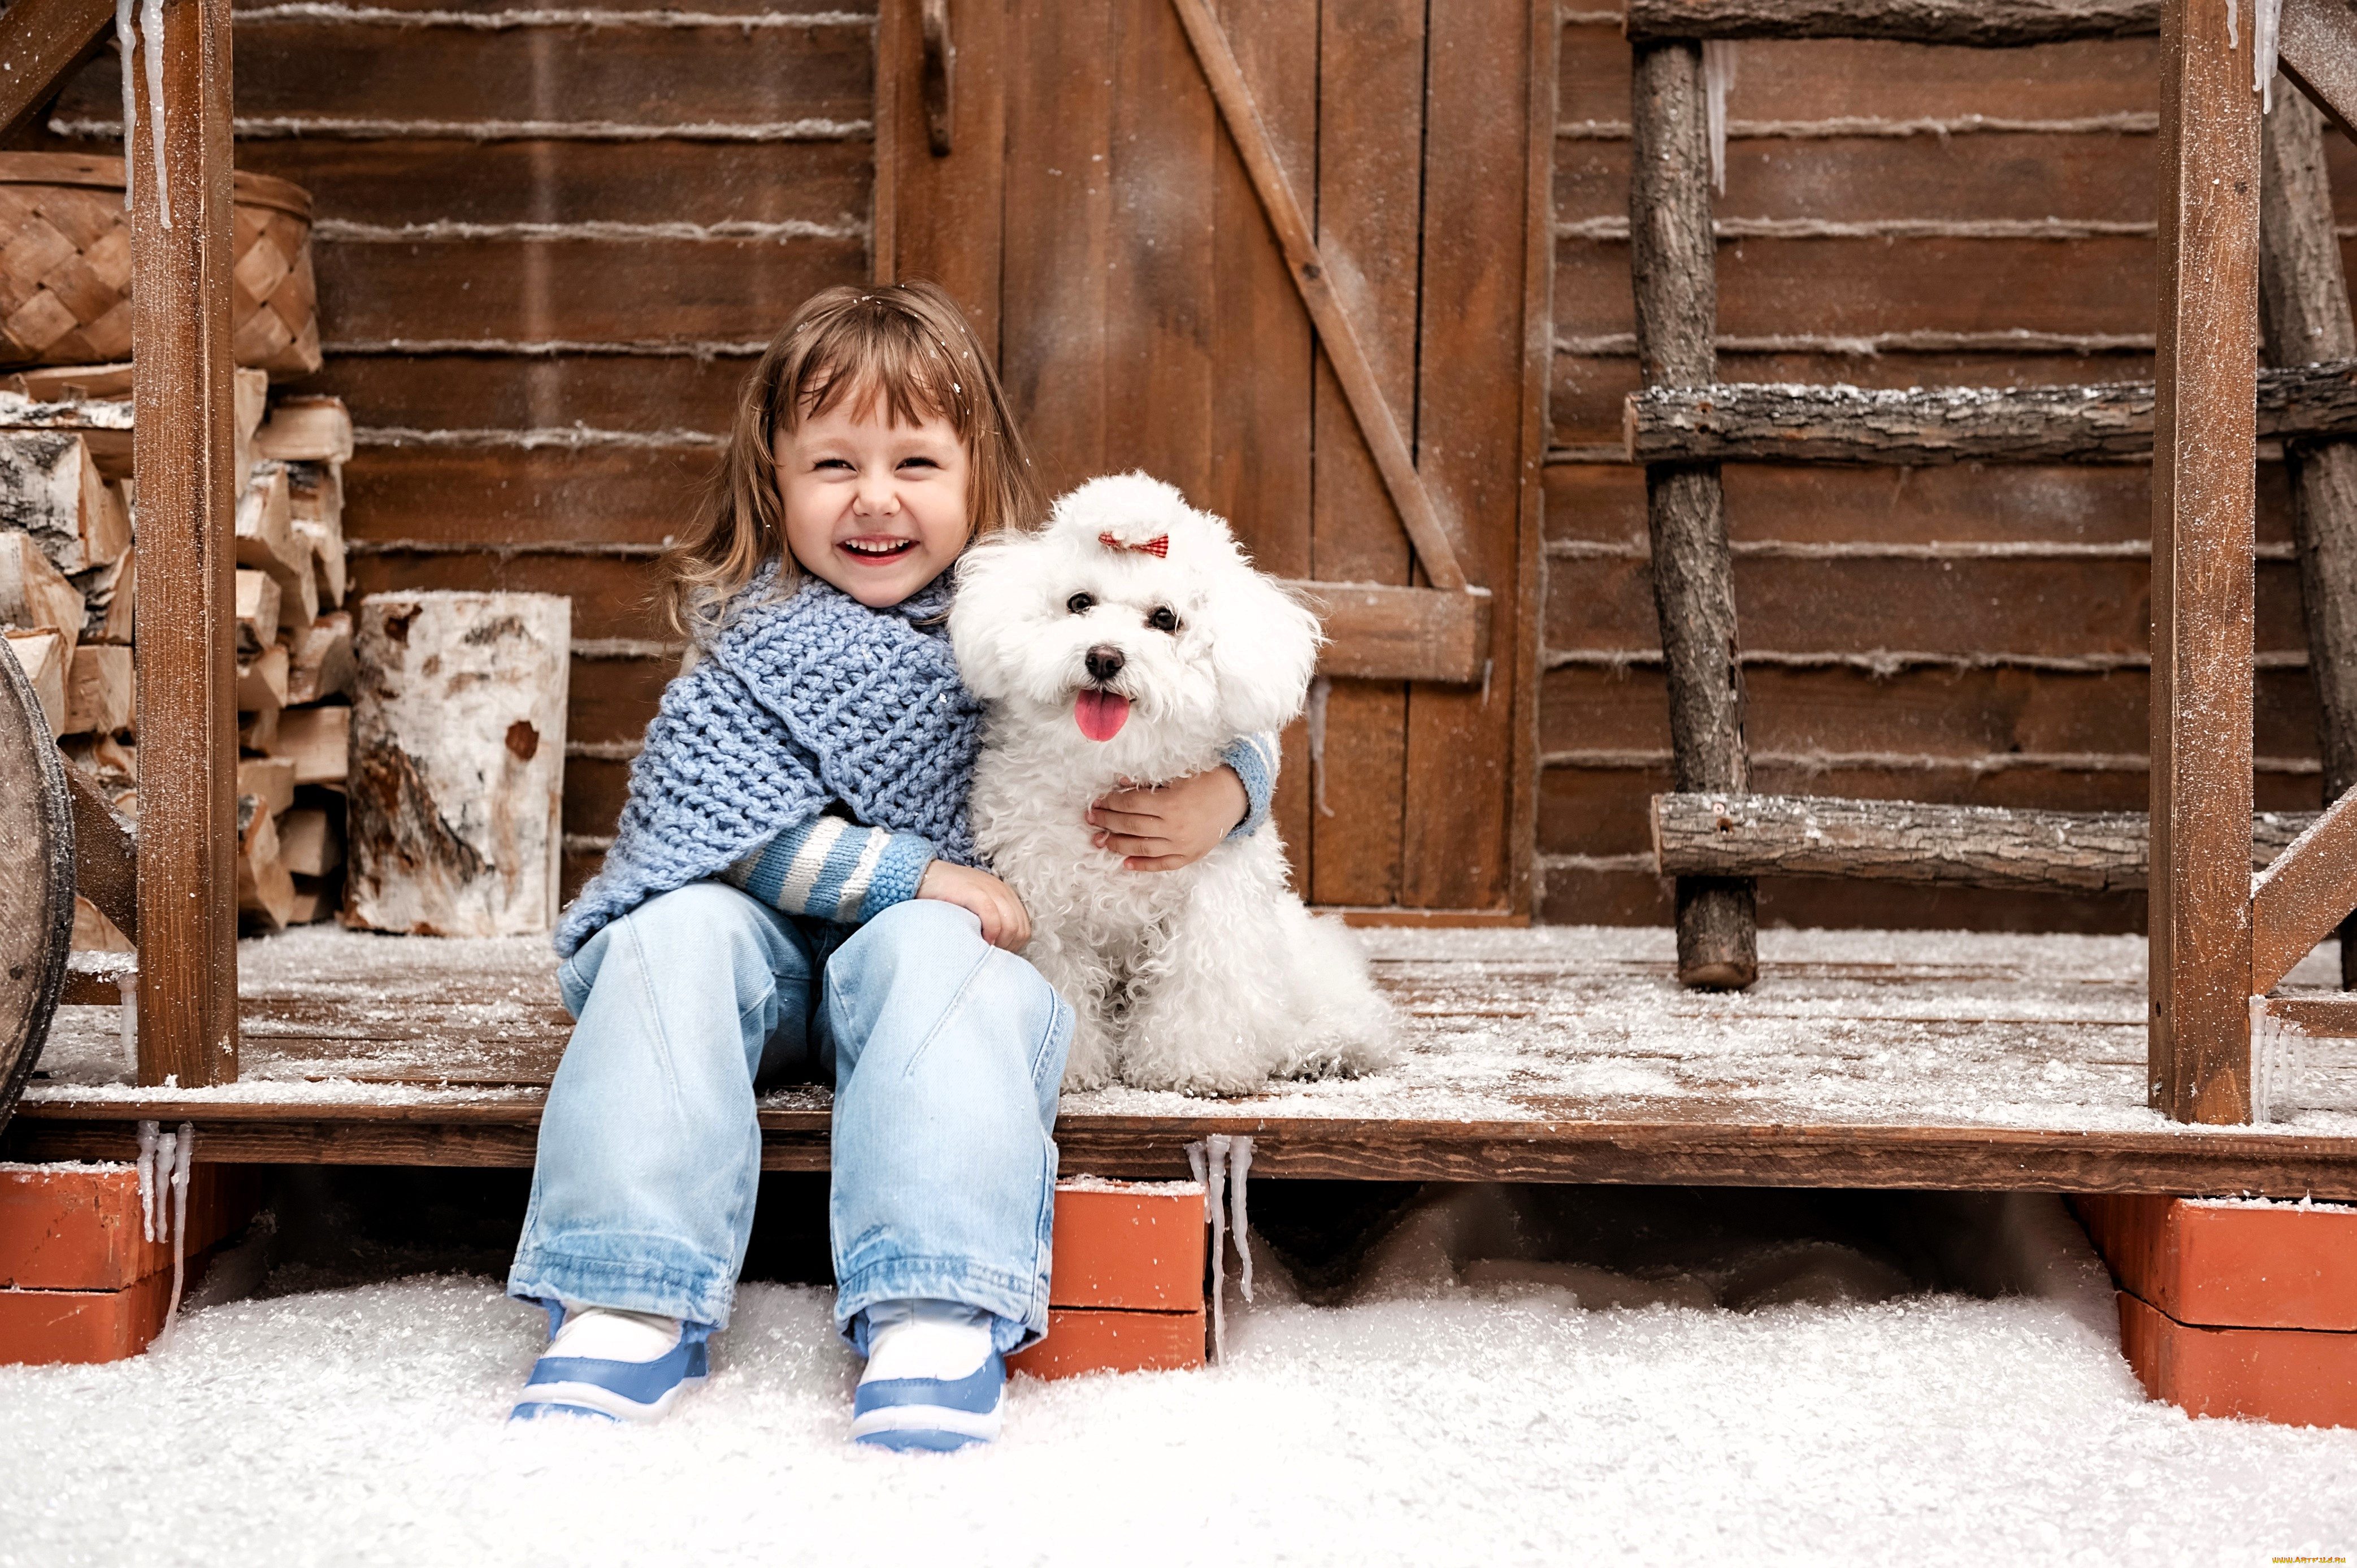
862 363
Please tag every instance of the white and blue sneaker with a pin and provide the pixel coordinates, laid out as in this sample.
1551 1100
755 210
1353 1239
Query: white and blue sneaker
614 1366
934 1378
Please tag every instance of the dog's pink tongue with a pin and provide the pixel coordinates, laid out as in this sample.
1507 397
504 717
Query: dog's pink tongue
1100 714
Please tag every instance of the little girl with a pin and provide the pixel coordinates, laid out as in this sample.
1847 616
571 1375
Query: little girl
793 893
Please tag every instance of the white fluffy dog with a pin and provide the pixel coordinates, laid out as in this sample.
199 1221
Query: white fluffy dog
1130 639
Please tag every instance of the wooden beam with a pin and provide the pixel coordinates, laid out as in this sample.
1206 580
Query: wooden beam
185 435
1916 426
1352 1149
1984 23
2325 1016
2316 45
1378 632
1674 267
2304 316
2303 895
47 39
1313 278
106 860
2203 503
1911 840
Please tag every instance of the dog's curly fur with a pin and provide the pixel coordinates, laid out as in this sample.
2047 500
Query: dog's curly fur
1212 978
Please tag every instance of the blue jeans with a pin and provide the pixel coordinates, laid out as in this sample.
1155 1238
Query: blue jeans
945 1054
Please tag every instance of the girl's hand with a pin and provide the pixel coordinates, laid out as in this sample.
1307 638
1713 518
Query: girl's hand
1174 825
1005 922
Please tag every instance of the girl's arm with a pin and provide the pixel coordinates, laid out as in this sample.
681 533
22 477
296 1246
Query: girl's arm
835 870
1179 823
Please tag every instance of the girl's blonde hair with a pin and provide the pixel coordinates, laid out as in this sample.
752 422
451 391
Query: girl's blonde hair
905 348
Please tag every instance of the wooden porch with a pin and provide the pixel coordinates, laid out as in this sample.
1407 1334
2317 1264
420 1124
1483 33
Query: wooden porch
1569 1053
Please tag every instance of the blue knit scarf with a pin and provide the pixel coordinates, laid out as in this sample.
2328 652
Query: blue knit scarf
795 702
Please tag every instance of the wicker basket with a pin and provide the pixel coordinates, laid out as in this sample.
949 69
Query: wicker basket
65 267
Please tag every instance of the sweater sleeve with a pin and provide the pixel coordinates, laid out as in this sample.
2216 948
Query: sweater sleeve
834 870
1254 757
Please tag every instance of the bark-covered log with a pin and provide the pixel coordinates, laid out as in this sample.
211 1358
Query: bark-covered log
1909 841
1984 23
1674 262
2303 316
1918 426
458 762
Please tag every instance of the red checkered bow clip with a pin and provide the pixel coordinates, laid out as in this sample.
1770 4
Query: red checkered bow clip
1159 546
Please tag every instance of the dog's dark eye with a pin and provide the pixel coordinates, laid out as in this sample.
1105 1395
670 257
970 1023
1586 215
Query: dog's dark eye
1080 602
1162 618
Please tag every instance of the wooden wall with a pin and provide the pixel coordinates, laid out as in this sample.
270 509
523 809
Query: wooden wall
547 252
1894 215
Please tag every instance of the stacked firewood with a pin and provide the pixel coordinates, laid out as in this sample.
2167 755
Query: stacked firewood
67 591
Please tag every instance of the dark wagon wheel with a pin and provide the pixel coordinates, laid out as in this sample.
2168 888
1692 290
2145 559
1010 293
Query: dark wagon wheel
37 881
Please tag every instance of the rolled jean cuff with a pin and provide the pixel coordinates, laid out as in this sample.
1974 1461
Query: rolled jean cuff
1018 1305
695 1290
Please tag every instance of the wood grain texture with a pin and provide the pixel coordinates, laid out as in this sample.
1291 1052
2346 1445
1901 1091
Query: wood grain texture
184 440
2303 895
942 216
2203 503
1984 24
2317 48
1912 840
1889 427
36 880
1378 633
106 860
47 39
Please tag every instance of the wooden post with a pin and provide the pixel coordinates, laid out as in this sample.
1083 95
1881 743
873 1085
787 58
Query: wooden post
2304 313
184 436
2203 498
1675 267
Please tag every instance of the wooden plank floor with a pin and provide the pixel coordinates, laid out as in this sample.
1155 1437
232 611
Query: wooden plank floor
1560 1054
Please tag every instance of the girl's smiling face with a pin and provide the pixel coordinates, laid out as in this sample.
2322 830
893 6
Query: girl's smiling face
877 510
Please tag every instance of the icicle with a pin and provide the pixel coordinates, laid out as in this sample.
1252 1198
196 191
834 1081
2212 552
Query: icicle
2233 38
1319 690
2266 21
166 1144
1238 1168
147 1179
182 1157
128 985
151 22
1717 76
2277 1050
1215 1206
126 43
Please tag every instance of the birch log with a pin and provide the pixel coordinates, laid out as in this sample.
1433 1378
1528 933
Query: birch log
51 488
458 763
2305 317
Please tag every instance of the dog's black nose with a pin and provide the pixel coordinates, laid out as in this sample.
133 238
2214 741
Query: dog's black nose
1105 662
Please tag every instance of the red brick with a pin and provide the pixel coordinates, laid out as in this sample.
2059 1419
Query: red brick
2298 1376
1086 1339
1136 1246
2231 1266
83 1326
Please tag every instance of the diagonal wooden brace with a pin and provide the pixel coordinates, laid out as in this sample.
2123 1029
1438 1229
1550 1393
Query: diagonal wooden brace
1434 547
2316 45
2305 892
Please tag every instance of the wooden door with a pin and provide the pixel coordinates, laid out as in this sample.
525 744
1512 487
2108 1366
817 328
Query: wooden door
1067 170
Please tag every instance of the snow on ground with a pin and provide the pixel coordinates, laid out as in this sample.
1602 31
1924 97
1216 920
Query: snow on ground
1427 1423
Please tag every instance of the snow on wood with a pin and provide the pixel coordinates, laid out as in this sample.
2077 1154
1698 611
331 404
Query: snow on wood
33 593
1986 24
51 488
458 762
102 694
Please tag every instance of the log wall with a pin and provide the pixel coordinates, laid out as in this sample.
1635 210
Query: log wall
1894 215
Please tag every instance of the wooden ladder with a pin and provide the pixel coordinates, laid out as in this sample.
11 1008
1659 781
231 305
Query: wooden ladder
2220 936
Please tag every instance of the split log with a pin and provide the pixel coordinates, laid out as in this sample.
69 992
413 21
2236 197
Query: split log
34 594
458 762
1984 24
266 542
1673 266
52 489
105 426
318 492
310 842
318 741
249 403
257 613
269 780
74 384
107 762
264 888
315 898
2304 316
262 680
1910 840
106 858
43 655
258 730
1912 426
328 560
102 691
110 598
322 665
93 932
306 429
